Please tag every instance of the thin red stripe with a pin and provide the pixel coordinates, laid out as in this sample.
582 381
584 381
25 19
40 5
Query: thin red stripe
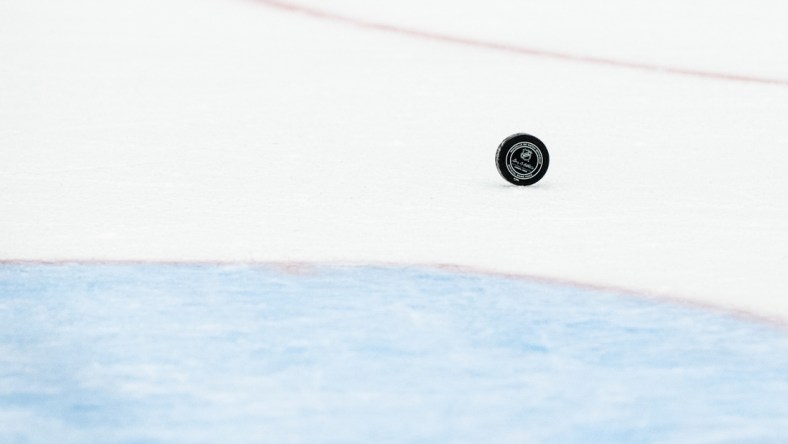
305 267
521 50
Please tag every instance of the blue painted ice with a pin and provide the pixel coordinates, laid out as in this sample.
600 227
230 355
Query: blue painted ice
241 353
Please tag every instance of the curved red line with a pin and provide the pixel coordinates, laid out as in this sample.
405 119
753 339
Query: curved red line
521 50
304 268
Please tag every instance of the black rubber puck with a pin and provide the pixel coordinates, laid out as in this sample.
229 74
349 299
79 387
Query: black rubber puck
522 159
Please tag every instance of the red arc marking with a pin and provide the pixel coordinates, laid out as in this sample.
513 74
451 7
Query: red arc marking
521 50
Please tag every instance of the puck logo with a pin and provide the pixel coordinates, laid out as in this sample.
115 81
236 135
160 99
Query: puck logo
522 159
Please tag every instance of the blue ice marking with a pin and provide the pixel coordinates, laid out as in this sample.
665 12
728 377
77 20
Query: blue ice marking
198 353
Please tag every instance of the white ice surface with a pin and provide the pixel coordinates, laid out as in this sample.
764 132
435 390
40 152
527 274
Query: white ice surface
227 130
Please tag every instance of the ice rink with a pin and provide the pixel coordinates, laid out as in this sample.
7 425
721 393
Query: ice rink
280 221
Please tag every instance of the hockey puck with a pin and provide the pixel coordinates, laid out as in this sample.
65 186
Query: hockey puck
522 159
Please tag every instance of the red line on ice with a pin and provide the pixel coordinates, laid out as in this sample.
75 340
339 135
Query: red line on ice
306 267
522 50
